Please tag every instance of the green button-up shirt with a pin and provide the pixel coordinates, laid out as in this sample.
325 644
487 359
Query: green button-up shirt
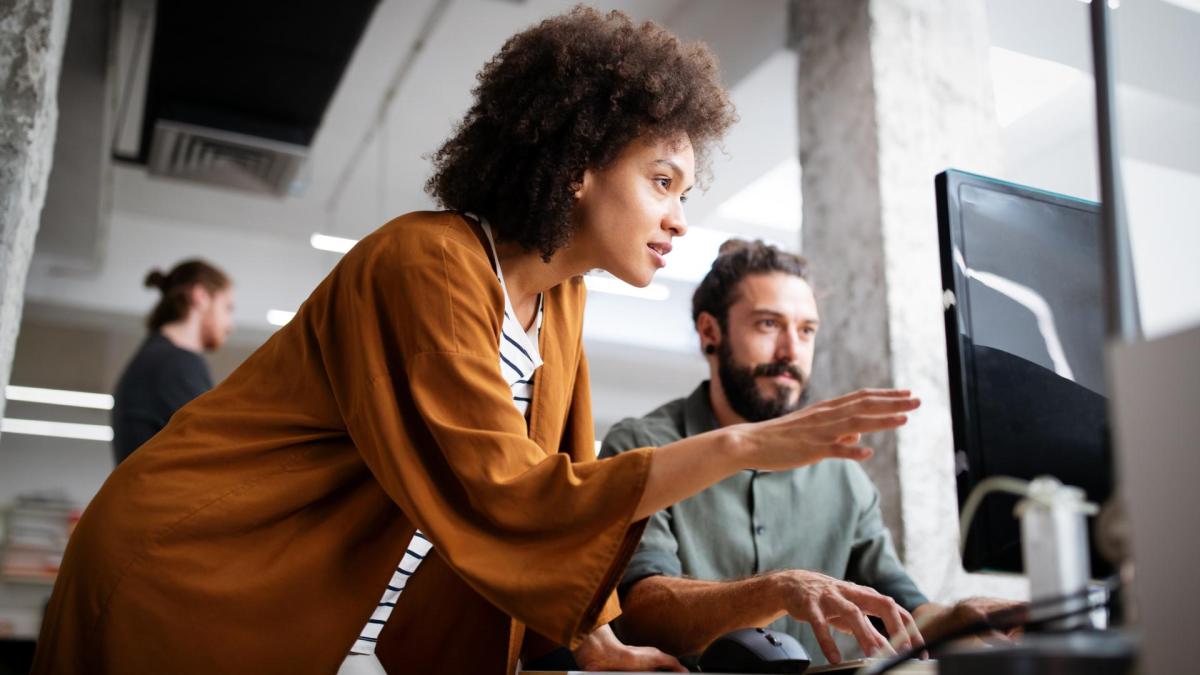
823 517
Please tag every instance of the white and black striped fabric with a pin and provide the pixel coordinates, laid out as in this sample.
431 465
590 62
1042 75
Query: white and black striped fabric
519 360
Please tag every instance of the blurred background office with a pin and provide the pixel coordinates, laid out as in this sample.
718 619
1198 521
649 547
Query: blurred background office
266 137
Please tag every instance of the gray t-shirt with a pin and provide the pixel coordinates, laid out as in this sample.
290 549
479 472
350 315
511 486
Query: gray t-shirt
160 379
824 517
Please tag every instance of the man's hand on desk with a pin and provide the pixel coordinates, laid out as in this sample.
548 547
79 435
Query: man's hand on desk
603 651
825 602
938 621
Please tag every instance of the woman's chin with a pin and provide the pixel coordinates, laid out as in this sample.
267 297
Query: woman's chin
641 281
638 279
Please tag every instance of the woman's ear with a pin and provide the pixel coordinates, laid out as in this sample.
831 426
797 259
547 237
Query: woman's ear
581 187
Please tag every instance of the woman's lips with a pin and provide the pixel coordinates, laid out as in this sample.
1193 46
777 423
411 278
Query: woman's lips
659 258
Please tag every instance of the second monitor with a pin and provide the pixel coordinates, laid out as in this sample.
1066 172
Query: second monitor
1022 273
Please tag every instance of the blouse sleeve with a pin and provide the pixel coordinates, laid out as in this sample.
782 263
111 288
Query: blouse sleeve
409 341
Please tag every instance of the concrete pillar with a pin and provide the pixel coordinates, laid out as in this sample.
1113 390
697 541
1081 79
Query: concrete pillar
32 36
891 92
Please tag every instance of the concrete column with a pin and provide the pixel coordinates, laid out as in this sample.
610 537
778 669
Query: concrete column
32 36
891 92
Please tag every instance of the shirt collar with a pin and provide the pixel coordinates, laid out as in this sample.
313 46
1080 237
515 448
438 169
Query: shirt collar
528 340
698 416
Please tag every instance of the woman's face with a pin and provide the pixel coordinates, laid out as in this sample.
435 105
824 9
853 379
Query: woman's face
628 212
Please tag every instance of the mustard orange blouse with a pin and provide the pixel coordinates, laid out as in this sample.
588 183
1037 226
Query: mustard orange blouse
252 535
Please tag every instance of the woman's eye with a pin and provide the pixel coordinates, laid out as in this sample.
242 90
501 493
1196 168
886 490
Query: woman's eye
664 182
683 198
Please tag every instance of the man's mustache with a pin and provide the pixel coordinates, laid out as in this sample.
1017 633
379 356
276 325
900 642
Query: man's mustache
778 368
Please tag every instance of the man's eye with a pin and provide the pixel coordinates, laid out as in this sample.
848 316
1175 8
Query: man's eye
664 182
767 323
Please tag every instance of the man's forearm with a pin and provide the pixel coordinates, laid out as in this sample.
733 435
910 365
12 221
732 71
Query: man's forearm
682 616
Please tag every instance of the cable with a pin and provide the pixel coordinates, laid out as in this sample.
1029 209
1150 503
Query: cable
985 487
1044 490
1007 619
424 33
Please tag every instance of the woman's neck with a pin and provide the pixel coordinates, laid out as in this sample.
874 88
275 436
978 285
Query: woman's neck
526 275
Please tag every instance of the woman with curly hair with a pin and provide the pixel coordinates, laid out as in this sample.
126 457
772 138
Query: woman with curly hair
408 467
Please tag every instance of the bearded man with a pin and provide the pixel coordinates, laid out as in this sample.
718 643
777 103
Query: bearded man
801 551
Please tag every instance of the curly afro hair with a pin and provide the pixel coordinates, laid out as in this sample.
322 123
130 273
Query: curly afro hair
567 95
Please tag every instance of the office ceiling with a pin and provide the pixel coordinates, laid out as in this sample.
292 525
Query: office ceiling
267 68
372 87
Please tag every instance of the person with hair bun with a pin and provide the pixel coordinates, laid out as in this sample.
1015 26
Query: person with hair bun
408 467
194 315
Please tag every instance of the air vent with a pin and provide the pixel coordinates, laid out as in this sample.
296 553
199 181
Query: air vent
226 158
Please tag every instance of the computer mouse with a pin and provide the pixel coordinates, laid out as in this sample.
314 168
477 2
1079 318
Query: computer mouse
755 650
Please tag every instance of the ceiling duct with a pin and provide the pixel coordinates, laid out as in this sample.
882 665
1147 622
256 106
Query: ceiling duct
226 158
235 92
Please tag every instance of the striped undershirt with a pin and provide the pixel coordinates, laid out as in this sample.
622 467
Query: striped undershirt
519 360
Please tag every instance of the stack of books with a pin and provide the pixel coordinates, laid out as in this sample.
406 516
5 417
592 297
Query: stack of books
34 536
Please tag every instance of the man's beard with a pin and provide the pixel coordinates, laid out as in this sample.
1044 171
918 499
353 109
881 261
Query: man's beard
741 387
210 338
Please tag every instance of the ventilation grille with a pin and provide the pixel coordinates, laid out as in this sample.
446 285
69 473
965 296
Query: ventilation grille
226 158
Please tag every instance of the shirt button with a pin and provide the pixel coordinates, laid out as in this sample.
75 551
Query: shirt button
759 529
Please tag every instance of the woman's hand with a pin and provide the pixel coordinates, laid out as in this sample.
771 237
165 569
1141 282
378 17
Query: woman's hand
603 651
831 429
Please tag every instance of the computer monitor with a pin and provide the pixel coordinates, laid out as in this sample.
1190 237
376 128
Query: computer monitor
1022 271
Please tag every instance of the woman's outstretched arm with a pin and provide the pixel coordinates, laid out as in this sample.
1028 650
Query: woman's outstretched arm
828 430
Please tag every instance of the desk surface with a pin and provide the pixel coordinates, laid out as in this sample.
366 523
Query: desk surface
910 668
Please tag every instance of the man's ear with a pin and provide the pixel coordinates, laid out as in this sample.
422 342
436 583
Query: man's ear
199 298
710 332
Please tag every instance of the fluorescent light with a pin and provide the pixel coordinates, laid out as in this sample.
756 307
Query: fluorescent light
325 242
86 432
1024 83
617 287
76 399
771 200
1190 5
279 317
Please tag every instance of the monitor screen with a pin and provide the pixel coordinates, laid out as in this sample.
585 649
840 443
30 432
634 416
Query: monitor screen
1022 269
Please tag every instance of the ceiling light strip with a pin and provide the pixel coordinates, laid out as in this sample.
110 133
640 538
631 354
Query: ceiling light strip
325 242
83 432
279 317
64 397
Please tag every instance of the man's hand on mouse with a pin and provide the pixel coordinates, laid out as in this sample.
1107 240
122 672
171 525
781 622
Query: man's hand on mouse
603 651
826 603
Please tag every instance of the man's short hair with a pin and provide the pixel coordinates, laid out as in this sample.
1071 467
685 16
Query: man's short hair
737 260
